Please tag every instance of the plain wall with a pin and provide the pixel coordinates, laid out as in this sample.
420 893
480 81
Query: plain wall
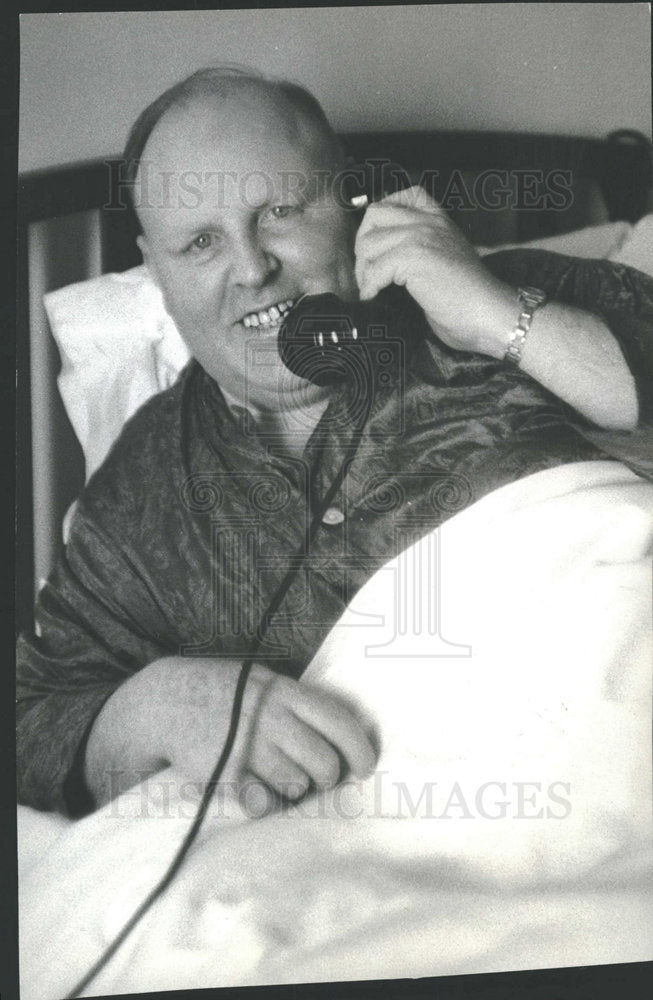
573 68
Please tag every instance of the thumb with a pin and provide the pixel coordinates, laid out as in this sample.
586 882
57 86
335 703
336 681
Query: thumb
412 197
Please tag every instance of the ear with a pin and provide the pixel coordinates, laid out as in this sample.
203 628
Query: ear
141 242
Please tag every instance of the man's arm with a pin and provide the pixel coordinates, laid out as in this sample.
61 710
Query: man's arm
177 711
100 697
100 707
409 240
573 354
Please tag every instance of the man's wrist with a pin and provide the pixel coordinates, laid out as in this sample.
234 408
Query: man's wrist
499 322
530 299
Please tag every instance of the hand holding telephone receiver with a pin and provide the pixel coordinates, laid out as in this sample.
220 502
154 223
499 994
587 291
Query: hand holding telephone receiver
327 341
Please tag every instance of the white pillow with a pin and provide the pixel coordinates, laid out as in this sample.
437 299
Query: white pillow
592 242
119 346
637 249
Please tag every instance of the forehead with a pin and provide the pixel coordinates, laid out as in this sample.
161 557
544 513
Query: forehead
245 136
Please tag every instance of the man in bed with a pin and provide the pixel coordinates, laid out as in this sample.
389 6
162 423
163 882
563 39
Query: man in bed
181 538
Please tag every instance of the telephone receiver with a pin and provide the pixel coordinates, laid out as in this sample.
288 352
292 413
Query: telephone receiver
328 341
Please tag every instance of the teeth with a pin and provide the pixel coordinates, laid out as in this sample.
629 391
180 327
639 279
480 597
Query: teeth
269 317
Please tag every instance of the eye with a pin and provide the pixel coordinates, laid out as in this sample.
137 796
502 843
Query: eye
280 212
202 242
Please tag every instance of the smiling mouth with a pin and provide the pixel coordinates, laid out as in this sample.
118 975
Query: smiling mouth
267 318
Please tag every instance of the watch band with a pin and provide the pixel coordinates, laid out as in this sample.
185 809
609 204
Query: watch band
530 299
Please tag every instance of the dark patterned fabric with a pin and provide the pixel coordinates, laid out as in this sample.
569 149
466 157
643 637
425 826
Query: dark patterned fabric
180 539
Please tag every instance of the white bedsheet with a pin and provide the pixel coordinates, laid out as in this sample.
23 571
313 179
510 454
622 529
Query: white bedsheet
505 658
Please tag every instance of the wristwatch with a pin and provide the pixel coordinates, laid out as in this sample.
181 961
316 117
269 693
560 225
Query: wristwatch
530 299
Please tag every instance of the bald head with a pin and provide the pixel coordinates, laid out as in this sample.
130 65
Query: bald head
228 98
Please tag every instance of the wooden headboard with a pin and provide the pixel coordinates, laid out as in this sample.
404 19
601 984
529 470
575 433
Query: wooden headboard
72 227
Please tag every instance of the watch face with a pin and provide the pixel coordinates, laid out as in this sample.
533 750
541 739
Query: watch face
532 296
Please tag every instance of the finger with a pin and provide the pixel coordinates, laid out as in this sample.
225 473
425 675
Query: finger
311 751
401 207
284 775
412 197
381 238
382 216
338 724
391 267
406 241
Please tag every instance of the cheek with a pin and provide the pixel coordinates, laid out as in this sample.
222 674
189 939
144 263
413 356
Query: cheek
189 294
328 251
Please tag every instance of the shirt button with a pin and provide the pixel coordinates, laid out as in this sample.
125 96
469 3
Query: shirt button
333 516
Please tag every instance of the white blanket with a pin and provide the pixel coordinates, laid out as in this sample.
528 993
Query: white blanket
505 661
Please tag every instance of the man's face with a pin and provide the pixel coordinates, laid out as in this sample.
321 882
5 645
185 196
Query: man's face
239 220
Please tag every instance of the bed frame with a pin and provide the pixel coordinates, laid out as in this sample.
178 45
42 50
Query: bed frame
71 227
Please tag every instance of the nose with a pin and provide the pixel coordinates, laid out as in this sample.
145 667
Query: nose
253 263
